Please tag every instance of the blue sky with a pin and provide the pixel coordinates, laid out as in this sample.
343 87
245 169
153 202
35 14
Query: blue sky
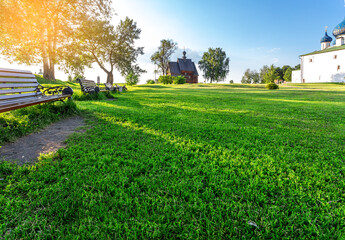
253 33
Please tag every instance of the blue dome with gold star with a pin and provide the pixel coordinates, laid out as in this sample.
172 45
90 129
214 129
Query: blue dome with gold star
326 38
339 29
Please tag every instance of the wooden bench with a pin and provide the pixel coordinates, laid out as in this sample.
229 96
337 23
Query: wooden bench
110 87
89 86
19 89
121 88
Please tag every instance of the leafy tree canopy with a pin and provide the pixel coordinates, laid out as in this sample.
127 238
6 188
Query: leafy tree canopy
215 65
97 41
162 57
36 31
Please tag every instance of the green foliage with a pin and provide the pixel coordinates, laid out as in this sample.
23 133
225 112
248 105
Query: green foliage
251 77
162 57
179 80
172 80
215 65
98 41
272 86
132 79
166 79
150 82
271 75
297 67
287 75
189 162
231 81
24 26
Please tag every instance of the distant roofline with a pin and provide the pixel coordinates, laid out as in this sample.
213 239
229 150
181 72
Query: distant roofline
330 49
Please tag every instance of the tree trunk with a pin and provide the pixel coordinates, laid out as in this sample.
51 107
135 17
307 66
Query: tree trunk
51 51
110 78
45 57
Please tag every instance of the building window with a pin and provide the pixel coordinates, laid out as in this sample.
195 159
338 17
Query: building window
338 67
311 60
335 56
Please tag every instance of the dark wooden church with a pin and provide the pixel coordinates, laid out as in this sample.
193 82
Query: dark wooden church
184 67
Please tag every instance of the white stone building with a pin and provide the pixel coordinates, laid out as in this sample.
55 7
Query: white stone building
326 65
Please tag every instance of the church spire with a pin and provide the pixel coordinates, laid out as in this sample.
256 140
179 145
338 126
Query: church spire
184 54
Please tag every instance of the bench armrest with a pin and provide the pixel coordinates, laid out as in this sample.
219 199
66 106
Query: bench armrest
55 90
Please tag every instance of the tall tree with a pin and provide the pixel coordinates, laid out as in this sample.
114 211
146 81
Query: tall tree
215 65
111 48
262 73
287 75
246 78
271 75
250 76
162 57
34 31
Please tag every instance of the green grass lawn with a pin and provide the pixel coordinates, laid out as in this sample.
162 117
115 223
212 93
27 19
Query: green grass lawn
190 162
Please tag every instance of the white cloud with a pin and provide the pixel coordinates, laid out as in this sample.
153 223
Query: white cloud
272 50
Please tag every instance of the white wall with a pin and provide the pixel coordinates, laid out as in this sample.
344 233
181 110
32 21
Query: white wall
323 67
296 76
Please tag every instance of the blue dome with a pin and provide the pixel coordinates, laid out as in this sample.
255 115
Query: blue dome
339 29
326 38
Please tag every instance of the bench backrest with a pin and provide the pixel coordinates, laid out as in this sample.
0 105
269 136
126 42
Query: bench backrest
87 85
16 85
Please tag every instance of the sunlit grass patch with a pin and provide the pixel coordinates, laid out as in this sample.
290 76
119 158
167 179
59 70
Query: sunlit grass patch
189 162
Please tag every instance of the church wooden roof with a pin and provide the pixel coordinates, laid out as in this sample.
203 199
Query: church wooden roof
182 65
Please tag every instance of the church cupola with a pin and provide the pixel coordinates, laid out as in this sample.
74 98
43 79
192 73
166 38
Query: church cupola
339 33
184 55
326 41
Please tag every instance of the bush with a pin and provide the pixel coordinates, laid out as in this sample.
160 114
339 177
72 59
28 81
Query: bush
272 86
231 81
150 82
132 79
165 79
179 80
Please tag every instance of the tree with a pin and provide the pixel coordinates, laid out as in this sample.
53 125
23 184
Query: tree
250 76
280 73
287 75
297 67
35 31
270 75
111 48
262 73
246 79
215 65
132 79
162 57
255 77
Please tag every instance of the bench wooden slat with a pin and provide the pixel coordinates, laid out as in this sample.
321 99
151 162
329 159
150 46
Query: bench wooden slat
17 90
18 85
14 70
18 80
31 99
21 100
19 75
32 102
22 95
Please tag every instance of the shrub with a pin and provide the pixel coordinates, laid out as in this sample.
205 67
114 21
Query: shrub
132 79
179 80
150 82
165 79
231 81
272 86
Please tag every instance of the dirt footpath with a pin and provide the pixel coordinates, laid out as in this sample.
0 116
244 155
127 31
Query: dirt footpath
27 149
